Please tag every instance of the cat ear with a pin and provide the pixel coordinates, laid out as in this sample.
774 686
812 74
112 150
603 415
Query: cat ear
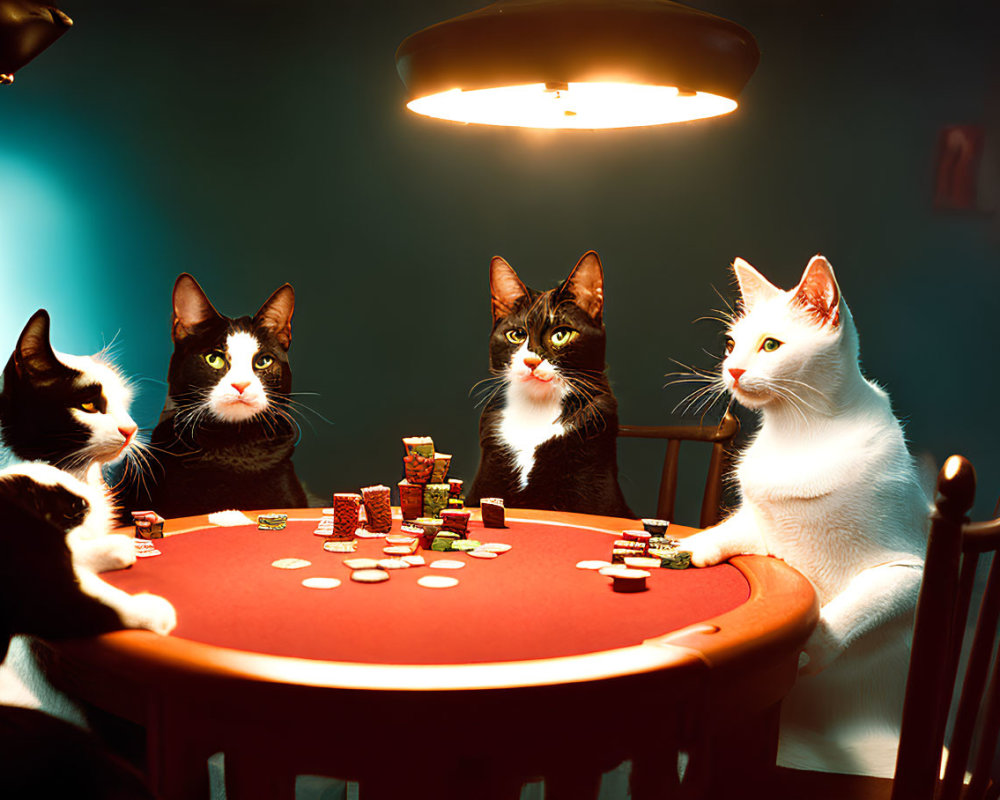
586 284
191 307
506 289
34 354
818 292
753 285
276 314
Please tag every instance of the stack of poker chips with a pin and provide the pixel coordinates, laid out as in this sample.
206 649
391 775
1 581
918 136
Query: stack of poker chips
378 511
272 522
643 549
346 514
147 524
493 512
425 490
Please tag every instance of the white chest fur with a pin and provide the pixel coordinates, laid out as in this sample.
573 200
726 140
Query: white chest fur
525 424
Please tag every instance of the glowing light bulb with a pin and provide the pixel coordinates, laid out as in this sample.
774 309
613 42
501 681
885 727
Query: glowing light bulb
574 105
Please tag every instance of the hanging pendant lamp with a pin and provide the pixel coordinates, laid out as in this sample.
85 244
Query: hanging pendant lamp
577 64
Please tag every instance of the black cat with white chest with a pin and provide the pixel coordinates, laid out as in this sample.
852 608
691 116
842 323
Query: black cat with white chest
225 437
549 433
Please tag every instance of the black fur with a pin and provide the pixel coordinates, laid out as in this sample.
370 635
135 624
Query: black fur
213 465
577 471
38 393
39 595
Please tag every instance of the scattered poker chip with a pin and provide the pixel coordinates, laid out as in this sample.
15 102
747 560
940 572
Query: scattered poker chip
437 582
272 522
364 533
341 546
465 545
495 547
641 562
360 563
147 553
414 561
629 580
611 571
445 563
595 565
480 553
321 583
291 563
655 526
398 550
392 563
400 540
369 575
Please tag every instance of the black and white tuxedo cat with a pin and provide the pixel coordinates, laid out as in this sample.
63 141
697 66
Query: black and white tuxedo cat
225 437
548 434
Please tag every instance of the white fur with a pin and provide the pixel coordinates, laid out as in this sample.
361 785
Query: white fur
112 431
829 487
532 408
239 395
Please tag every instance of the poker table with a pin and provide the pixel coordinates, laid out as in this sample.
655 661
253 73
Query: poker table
529 667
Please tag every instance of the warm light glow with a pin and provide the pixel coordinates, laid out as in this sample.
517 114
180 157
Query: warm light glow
575 105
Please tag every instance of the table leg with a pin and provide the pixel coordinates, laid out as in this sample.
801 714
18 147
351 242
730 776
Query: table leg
176 756
255 774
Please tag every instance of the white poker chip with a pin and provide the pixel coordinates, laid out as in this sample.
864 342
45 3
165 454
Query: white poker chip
321 583
364 533
480 553
360 563
397 550
592 564
147 553
291 563
495 547
437 582
369 575
392 563
613 570
445 563
641 562
414 561
328 512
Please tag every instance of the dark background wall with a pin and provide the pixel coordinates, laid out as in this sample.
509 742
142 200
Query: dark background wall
258 142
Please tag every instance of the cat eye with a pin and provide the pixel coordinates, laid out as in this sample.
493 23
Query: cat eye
517 335
770 345
215 359
89 407
561 337
730 345
263 362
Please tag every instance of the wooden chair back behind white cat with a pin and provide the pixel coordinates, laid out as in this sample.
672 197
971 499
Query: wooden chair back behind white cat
721 438
954 550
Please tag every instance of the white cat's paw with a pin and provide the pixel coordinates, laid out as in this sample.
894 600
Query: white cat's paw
704 551
117 551
820 651
151 612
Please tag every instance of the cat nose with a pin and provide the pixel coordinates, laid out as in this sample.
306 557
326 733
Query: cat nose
128 431
239 387
736 373
531 361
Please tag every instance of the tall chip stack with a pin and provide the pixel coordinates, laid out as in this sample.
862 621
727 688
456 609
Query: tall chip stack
378 508
425 490
346 513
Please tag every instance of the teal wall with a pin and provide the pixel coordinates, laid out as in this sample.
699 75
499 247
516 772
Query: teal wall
252 143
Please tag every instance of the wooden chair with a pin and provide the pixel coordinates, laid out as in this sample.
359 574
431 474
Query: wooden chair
720 436
954 548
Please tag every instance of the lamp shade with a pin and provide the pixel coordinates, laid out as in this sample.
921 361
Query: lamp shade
26 29
577 64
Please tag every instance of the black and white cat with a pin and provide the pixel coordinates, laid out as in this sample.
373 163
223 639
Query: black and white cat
548 433
70 412
45 591
225 437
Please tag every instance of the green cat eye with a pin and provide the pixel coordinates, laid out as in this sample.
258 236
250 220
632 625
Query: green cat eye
517 335
215 359
263 362
770 345
561 337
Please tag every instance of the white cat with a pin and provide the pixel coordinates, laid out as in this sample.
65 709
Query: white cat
828 486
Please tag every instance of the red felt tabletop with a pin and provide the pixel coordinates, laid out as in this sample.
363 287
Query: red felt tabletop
531 602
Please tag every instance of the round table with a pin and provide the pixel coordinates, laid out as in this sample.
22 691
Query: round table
529 667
